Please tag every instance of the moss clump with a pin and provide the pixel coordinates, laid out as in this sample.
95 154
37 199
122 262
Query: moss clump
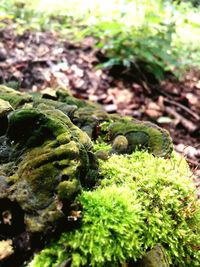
168 194
141 201
109 232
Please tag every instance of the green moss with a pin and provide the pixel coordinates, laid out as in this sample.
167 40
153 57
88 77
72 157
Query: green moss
168 197
111 225
15 98
66 97
63 138
141 202
100 145
68 189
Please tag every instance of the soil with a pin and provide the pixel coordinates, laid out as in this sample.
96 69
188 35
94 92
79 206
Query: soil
33 61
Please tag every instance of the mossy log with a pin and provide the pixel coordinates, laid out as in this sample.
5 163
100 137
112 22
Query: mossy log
47 156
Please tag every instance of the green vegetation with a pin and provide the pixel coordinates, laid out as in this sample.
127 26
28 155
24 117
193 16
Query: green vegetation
140 202
157 36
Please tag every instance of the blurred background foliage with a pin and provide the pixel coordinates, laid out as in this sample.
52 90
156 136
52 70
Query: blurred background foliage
162 35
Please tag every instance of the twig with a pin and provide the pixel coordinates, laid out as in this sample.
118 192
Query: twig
162 92
186 123
145 81
193 162
182 107
32 61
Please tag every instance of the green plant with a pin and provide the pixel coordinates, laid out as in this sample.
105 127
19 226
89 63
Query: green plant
187 38
195 3
141 201
35 15
149 35
144 45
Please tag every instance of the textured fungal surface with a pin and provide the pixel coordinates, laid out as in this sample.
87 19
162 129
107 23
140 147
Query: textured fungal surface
141 135
44 160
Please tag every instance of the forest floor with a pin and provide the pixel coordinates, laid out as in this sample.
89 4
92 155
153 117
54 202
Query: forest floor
34 61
